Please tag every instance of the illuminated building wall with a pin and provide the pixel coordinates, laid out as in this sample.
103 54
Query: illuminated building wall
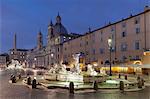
130 38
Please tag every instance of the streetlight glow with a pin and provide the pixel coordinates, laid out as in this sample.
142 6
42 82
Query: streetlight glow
110 49
52 55
110 42
35 59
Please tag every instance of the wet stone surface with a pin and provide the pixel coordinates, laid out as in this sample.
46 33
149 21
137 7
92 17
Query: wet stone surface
11 91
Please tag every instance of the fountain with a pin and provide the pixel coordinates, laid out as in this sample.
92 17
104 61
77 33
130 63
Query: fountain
91 71
103 72
59 72
76 69
14 65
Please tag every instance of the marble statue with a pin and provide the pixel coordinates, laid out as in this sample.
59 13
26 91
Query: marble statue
91 71
76 68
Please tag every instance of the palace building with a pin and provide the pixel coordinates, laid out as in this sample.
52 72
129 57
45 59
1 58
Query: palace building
129 40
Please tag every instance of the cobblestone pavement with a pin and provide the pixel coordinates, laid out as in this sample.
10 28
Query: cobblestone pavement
10 91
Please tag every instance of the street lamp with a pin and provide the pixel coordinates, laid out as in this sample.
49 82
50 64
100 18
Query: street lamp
52 56
110 49
35 62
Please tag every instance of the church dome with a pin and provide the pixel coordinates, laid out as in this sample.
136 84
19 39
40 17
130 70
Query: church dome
58 28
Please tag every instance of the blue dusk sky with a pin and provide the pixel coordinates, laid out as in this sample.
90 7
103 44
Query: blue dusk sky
27 17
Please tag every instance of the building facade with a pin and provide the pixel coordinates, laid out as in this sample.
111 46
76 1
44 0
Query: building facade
4 59
17 54
130 38
51 53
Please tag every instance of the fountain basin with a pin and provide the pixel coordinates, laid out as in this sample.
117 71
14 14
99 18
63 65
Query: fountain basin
91 79
64 77
74 78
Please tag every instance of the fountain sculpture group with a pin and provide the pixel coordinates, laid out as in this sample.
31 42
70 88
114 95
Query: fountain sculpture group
59 72
14 65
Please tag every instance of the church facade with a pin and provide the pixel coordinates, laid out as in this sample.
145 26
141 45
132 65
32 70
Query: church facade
45 56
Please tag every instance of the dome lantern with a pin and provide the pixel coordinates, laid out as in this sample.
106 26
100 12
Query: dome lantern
58 19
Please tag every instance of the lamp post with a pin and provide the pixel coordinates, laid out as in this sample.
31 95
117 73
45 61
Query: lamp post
52 56
35 62
110 49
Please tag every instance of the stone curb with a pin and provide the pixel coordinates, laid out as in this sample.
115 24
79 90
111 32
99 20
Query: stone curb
135 89
147 84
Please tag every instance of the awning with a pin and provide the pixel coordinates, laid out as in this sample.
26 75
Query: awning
145 66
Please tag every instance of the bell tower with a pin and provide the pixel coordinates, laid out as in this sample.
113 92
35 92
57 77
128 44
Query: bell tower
50 33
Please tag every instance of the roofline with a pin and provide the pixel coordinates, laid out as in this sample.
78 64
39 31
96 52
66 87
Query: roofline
120 21
87 33
19 49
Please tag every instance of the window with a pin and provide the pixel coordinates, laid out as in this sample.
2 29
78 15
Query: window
101 62
65 56
93 40
137 30
80 45
89 59
137 20
101 50
124 34
124 58
101 37
137 57
56 40
112 36
94 59
123 24
112 28
65 48
137 45
58 49
86 42
87 52
93 51
123 47
93 35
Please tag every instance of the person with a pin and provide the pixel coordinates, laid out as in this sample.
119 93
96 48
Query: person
34 83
